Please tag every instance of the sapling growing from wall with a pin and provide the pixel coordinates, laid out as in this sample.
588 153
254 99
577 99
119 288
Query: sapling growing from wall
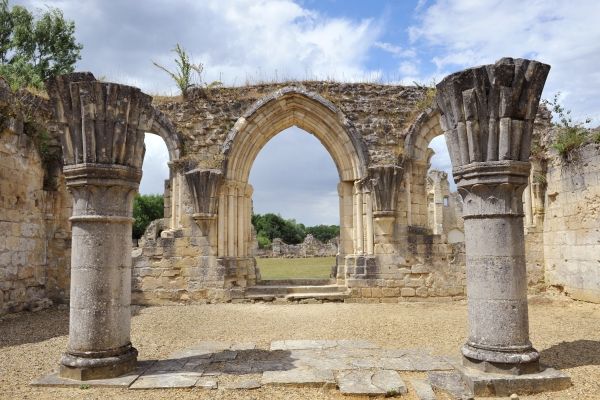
187 74
571 135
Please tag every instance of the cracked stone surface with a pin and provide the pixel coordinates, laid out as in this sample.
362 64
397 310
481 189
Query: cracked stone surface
423 389
370 382
358 367
166 380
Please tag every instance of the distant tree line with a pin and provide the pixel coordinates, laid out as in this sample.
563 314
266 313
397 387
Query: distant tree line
270 226
149 207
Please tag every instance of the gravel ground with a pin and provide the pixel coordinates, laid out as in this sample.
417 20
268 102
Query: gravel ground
566 332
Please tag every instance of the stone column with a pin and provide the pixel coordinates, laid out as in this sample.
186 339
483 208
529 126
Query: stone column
102 129
358 218
487 115
99 323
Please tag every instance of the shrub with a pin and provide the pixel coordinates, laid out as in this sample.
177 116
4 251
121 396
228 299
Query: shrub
146 208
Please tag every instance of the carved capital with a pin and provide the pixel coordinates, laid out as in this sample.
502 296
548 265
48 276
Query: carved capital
100 123
385 183
205 185
492 189
487 112
102 193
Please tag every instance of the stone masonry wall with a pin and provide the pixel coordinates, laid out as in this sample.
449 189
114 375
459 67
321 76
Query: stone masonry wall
34 211
571 235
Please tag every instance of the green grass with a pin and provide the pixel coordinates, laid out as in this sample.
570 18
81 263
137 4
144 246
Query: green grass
295 268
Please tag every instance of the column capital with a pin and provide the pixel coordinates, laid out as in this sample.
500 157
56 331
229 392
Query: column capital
100 122
385 183
487 112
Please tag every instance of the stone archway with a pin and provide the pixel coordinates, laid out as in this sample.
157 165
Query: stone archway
269 116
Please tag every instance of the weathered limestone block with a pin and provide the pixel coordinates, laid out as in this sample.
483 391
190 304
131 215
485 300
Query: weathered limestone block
102 129
487 115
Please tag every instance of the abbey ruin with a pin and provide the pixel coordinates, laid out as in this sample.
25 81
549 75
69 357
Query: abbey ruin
525 219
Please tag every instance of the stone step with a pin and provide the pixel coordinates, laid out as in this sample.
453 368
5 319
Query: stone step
296 282
339 296
283 290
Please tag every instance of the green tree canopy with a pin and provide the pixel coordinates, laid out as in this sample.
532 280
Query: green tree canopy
324 233
270 226
34 48
146 208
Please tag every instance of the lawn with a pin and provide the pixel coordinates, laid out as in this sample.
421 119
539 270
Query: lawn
295 268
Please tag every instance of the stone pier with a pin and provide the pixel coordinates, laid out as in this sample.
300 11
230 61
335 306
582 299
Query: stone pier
102 129
487 118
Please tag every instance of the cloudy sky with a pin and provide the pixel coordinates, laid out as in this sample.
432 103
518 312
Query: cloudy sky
241 41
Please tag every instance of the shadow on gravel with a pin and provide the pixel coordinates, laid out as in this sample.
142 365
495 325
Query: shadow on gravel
239 362
572 354
33 327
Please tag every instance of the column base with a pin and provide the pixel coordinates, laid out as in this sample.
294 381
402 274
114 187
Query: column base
98 365
500 362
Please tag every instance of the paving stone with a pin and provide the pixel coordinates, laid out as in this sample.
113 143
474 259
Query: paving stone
166 380
225 355
370 382
423 389
340 352
357 344
243 385
206 383
450 382
302 344
53 379
298 377
168 365
325 363
425 362
397 364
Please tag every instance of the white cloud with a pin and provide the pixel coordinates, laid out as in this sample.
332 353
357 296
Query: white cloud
237 40
394 50
464 33
155 168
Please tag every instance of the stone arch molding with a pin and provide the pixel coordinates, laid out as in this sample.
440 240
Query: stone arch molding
287 107
421 133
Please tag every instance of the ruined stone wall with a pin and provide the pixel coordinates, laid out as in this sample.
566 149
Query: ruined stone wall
310 247
571 229
34 211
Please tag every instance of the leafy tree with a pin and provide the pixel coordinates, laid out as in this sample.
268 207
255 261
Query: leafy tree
270 226
146 208
273 226
324 233
32 49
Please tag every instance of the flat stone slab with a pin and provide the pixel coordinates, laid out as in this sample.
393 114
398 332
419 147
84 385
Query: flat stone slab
487 384
450 382
166 380
423 389
206 383
367 382
298 377
54 380
302 344
247 384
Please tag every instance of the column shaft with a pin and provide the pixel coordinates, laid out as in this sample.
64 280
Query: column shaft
99 321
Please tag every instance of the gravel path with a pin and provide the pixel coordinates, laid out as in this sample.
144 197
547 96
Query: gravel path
566 332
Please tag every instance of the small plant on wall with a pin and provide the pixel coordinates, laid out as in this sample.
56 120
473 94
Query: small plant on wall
187 74
571 135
